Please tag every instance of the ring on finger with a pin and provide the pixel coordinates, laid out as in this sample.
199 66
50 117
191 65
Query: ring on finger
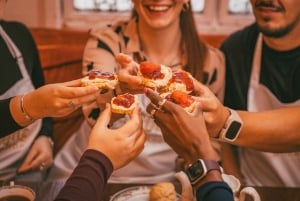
152 112
71 104
161 103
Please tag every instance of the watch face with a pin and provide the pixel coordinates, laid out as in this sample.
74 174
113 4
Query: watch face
195 171
233 130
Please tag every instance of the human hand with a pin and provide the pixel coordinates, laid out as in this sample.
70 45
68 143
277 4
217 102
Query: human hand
120 145
185 133
127 74
39 157
57 100
215 113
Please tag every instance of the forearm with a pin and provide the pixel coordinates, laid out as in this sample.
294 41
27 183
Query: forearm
8 123
273 131
47 128
215 190
89 178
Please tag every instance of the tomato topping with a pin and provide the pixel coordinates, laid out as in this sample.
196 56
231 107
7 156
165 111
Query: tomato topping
180 98
125 100
181 76
151 70
100 74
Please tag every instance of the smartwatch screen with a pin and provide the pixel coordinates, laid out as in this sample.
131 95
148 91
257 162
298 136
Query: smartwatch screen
195 170
233 130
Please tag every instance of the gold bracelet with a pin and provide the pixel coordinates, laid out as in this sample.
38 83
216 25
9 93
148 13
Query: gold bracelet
26 115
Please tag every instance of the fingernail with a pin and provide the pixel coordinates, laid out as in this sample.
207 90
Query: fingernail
145 90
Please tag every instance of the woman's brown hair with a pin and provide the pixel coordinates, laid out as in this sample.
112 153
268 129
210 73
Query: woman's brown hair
195 47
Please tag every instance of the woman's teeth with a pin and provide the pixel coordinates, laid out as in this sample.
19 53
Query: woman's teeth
158 8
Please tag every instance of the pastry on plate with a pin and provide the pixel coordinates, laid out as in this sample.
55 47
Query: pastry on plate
164 191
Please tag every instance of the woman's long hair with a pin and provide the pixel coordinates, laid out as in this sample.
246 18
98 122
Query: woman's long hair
196 50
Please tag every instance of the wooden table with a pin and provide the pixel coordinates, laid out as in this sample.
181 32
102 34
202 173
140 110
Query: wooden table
50 190
278 193
266 193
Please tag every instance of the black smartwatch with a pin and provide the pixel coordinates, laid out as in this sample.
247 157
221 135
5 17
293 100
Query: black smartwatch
198 170
231 128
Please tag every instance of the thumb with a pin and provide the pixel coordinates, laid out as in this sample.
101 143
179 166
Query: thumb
123 58
104 117
198 109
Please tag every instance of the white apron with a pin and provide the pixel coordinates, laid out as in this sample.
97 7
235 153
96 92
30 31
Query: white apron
14 146
261 168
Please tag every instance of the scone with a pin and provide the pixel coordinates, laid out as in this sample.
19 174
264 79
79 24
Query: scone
181 81
155 76
124 103
181 98
164 191
103 80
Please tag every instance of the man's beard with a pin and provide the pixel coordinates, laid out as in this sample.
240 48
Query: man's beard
277 32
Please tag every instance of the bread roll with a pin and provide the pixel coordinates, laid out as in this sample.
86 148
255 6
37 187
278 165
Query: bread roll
124 103
181 81
181 98
103 80
164 191
155 76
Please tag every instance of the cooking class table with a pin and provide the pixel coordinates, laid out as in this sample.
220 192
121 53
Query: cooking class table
266 193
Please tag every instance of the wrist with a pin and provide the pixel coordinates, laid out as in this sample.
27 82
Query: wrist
203 171
18 111
211 176
231 128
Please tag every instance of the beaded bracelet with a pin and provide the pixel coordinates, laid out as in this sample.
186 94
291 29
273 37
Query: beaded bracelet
26 115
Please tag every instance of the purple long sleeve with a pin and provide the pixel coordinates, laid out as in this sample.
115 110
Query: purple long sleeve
89 178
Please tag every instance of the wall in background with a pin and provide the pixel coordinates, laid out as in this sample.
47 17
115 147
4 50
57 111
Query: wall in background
35 13
60 14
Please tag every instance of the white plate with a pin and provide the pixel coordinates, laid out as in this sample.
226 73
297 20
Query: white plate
136 193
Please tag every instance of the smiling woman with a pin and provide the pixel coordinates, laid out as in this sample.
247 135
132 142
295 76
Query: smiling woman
121 5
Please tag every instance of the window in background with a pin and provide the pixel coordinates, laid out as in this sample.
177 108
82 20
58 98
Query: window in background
236 13
121 5
211 16
239 7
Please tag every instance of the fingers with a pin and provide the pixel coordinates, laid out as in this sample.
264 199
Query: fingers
104 117
155 99
199 88
35 161
77 92
129 79
135 123
123 58
198 110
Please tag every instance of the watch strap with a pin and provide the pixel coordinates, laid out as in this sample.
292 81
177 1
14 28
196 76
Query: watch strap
231 128
212 165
